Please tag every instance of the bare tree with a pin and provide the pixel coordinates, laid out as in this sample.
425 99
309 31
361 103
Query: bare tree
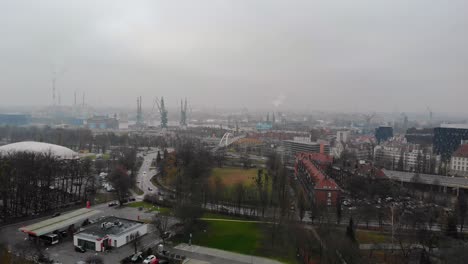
161 223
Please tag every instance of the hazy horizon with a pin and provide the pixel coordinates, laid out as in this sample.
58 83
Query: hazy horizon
358 56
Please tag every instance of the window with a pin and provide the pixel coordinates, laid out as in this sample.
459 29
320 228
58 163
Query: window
329 194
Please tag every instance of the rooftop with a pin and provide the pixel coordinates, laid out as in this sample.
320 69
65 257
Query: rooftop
462 151
40 148
59 222
110 225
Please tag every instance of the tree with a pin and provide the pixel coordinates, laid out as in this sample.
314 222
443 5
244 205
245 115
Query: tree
461 208
350 230
451 226
301 203
158 158
121 182
161 224
136 241
338 210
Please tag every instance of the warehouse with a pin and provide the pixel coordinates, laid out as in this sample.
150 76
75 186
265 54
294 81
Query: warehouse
109 232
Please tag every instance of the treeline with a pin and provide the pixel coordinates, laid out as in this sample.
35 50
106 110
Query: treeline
32 183
80 138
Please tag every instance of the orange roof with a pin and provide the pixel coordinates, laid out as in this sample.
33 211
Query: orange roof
462 151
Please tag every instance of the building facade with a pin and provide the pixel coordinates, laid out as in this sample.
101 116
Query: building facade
319 187
406 157
110 232
447 138
459 161
383 133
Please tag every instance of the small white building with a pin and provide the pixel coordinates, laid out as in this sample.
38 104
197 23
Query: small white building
459 161
109 232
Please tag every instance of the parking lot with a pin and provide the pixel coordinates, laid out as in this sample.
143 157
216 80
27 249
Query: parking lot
64 251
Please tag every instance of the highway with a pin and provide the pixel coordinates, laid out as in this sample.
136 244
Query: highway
447 181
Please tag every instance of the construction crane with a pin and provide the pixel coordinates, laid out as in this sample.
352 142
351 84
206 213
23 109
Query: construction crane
162 111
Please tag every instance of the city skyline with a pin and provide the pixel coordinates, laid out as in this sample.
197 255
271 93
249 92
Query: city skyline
359 57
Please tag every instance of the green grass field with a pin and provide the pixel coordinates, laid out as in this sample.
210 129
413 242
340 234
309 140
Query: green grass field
232 176
240 237
231 236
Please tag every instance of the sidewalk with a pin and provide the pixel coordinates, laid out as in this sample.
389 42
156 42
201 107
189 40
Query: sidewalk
225 254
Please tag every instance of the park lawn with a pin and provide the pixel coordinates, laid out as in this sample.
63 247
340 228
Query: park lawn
237 237
240 237
150 207
232 176
372 237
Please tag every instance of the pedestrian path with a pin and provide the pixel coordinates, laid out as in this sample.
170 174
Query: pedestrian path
226 254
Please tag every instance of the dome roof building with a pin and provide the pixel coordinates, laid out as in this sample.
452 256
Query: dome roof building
39 148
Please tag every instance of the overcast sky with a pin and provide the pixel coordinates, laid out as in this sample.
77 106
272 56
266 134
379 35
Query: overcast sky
351 55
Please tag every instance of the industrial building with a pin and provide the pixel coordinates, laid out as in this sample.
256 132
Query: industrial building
109 232
448 137
14 119
102 122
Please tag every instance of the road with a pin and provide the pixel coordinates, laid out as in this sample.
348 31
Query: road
447 181
146 173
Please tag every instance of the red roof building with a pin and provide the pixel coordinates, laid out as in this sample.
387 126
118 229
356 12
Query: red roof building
309 169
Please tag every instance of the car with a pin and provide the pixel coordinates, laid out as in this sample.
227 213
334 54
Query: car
151 259
150 189
56 214
80 249
113 203
137 257
144 173
131 199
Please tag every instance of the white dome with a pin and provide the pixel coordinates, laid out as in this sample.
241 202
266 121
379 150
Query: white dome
39 147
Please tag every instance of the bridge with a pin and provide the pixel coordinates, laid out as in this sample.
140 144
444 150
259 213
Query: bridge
228 139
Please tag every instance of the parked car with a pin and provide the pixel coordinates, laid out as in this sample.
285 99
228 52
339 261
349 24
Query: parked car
131 199
137 257
151 259
80 249
56 214
113 203
150 189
